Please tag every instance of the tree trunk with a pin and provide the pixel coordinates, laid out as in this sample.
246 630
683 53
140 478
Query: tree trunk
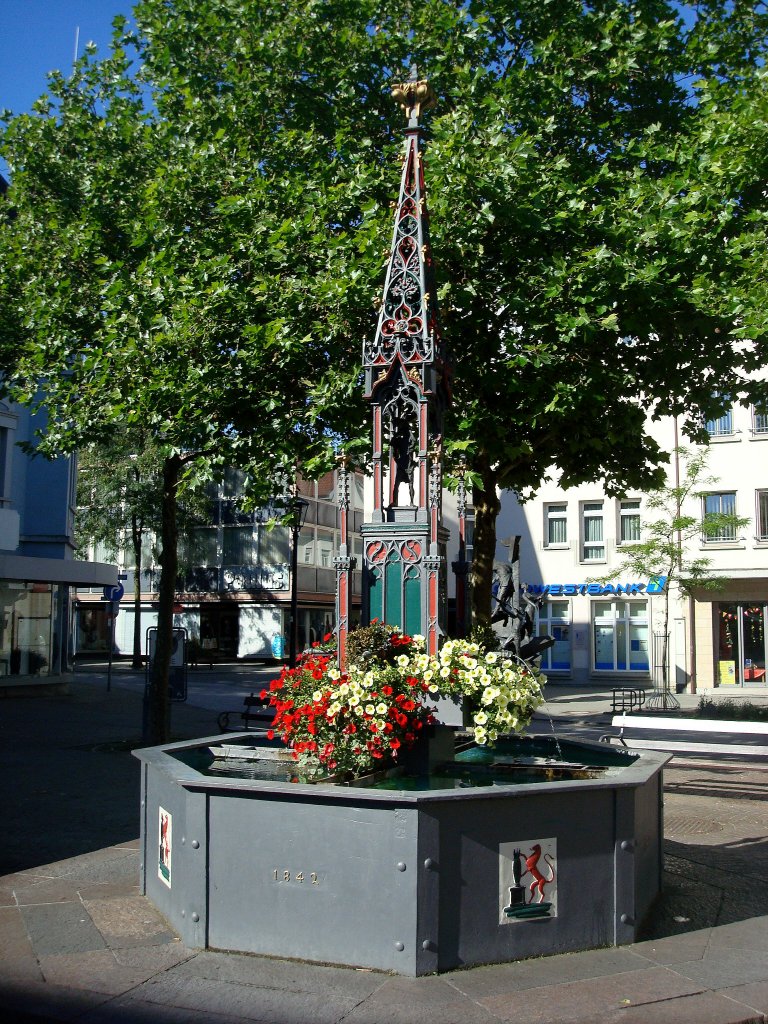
487 507
158 717
136 540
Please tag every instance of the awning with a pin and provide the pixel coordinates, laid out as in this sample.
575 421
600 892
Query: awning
28 569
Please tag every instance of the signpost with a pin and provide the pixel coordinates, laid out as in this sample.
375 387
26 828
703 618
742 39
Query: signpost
112 593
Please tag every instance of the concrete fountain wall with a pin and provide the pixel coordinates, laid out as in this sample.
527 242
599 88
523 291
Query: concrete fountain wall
410 882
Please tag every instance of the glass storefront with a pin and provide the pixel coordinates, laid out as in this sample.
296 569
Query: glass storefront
554 620
30 628
741 651
620 632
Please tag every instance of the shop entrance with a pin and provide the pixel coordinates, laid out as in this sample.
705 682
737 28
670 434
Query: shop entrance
220 630
742 644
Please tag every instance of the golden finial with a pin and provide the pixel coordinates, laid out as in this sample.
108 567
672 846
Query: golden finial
414 96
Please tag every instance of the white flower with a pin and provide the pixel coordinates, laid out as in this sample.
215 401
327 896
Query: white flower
491 657
317 696
480 718
370 709
381 709
403 660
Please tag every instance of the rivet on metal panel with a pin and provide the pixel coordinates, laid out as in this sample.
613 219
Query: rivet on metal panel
195 916
628 845
400 866
195 844
428 945
429 863
399 946
627 919
183 840
183 913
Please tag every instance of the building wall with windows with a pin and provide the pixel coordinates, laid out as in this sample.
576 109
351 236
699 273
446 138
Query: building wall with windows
573 539
37 567
233 591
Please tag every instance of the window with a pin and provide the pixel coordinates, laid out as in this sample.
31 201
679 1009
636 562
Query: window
554 620
629 522
593 548
556 525
720 504
741 643
762 515
760 418
721 425
326 549
620 635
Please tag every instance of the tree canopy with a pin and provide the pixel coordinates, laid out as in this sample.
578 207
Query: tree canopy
201 220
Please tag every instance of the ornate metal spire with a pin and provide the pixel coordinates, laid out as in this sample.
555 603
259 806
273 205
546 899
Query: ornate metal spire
406 380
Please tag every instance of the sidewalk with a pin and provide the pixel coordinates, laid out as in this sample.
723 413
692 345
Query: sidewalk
78 942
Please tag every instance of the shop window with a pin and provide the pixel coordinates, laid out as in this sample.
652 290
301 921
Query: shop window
554 619
620 636
762 515
593 542
629 522
556 524
741 643
720 503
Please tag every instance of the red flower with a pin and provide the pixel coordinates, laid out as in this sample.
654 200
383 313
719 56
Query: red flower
327 637
270 734
394 744
386 690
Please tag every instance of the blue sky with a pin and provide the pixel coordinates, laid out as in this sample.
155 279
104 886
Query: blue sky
38 36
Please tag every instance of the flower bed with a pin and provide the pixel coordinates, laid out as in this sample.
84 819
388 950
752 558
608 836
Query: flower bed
349 723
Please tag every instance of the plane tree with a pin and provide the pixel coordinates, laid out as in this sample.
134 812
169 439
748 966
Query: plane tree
201 222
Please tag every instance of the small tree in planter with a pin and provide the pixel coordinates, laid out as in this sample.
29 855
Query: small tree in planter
663 553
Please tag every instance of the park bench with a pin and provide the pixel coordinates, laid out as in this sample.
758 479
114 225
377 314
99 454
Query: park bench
627 698
691 736
255 709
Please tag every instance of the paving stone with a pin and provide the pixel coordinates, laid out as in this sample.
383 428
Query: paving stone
589 1000
111 864
724 967
107 890
46 890
14 938
131 921
289 975
160 958
20 968
61 928
129 1010
97 971
410 999
254 1003
754 995
46 1003
750 934
676 949
550 970
700 1008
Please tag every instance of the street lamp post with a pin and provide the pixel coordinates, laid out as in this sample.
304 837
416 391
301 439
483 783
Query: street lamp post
298 513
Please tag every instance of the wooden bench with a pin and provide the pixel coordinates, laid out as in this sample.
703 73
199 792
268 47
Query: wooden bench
627 698
688 736
255 709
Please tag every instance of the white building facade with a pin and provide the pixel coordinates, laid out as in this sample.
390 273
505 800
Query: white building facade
611 634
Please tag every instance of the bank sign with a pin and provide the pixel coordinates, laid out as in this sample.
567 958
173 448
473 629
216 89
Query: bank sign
655 585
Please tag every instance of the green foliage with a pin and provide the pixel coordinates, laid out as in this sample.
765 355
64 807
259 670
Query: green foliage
485 636
732 710
198 240
375 644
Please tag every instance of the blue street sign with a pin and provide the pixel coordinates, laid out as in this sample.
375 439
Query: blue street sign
113 593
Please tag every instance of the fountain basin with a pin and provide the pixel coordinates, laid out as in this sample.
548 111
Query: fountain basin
478 864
